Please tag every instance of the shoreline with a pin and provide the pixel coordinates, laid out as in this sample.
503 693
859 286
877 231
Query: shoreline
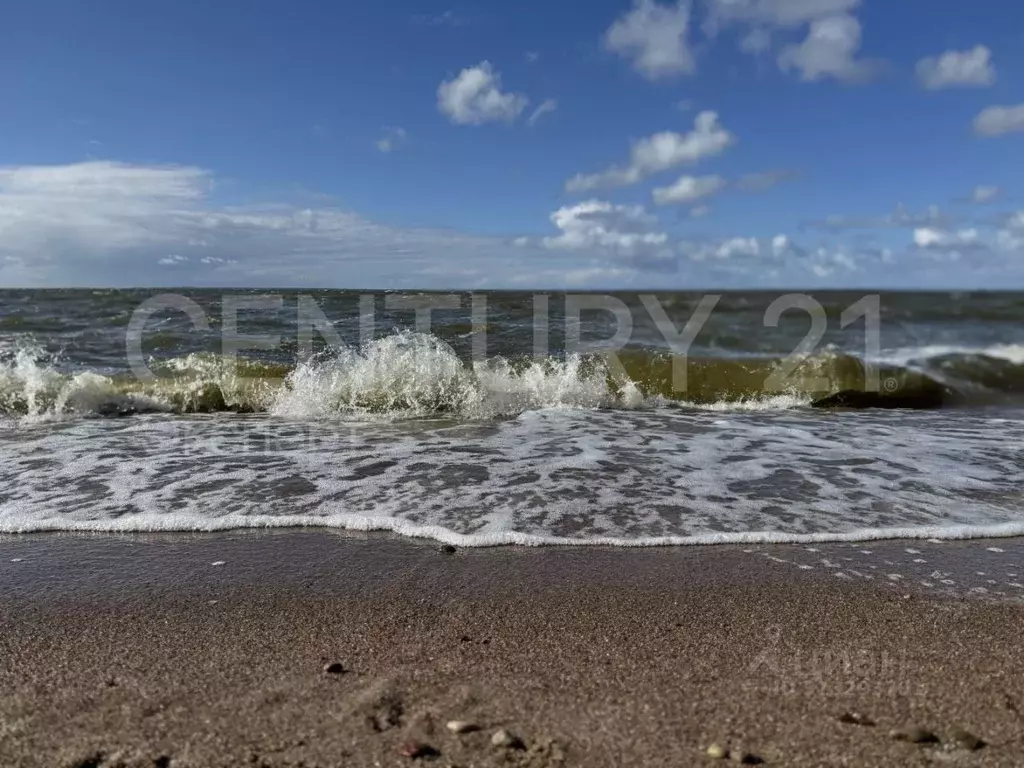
209 649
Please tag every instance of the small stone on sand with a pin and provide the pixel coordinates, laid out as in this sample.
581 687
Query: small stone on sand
503 738
416 749
448 549
962 739
855 718
914 736
717 751
461 726
744 758
334 668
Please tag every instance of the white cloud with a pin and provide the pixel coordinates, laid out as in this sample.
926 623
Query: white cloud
700 212
549 105
393 138
984 194
997 121
107 223
596 224
780 13
728 249
927 237
738 246
532 57
474 97
828 51
957 68
780 245
653 38
689 189
659 153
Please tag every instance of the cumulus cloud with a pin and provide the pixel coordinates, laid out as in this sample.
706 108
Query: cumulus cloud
689 189
600 225
474 96
998 121
549 105
829 50
654 38
393 138
659 153
927 237
957 68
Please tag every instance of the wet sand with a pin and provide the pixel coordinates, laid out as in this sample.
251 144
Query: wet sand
210 651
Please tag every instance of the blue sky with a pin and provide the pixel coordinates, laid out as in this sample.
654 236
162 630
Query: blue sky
723 143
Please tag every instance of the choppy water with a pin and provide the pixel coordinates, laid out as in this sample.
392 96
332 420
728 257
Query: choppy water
500 427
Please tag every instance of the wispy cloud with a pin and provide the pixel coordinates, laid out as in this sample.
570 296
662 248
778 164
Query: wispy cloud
548 105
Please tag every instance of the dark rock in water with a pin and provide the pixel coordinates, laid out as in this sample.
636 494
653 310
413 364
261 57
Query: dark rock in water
931 399
962 739
416 750
334 668
855 718
448 549
915 736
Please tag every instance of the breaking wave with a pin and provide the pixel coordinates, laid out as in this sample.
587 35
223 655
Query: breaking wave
417 375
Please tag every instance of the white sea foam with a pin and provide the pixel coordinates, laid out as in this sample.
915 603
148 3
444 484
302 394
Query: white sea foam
548 477
1011 353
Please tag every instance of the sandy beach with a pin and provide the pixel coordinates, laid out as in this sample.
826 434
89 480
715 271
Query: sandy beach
212 650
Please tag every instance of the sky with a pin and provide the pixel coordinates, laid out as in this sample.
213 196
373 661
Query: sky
564 145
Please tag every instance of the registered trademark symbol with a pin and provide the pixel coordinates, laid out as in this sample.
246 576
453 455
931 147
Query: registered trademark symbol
891 385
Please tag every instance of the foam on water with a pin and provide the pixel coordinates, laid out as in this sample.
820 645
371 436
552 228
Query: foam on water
553 476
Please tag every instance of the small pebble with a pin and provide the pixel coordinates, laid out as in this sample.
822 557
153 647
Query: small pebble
448 549
855 718
503 738
962 739
217 562
461 726
334 668
744 758
717 751
914 736
416 749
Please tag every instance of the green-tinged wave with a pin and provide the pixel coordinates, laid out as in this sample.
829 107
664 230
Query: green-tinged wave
418 375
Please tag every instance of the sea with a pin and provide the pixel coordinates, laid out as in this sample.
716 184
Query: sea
490 418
